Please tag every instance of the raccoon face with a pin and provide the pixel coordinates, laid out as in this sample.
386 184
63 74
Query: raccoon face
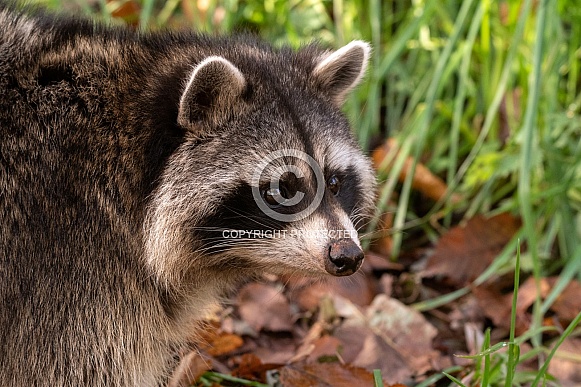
270 178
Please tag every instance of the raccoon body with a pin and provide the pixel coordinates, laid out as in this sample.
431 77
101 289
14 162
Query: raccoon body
142 176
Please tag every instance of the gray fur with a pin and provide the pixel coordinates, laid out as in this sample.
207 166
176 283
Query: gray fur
117 152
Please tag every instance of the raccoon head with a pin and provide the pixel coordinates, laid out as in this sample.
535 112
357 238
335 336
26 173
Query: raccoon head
269 177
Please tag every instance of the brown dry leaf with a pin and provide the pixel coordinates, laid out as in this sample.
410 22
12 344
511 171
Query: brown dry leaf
129 12
251 367
568 304
223 344
325 349
307 346
216 342
406 328
276 349
391 337
377 353
264 307
424 180
565 366
357 288
466 251
324 375
497 306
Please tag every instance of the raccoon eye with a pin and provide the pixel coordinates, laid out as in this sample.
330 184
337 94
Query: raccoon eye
273 196
334 184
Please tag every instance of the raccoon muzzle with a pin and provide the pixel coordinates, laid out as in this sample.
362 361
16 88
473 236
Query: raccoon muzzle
344 258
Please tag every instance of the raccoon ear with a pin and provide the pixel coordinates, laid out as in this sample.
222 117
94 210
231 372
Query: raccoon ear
340 71
213 89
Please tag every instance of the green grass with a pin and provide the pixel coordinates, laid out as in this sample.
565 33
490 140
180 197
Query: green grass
491 368
496 368
377 379
216 378
486 93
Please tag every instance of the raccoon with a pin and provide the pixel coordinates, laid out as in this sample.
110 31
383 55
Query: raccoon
145 175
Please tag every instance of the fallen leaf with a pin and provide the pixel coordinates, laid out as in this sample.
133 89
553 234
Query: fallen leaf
377 353
497 306
324 375
307 346
275 349
129 12
568 303
250 367
466 251
389 336
406 328
216 342
357 288
325 349
565 366
223 344
264 307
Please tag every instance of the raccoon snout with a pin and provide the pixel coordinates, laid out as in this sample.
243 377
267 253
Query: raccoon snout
344 258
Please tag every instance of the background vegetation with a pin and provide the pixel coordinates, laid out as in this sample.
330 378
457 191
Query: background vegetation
486 94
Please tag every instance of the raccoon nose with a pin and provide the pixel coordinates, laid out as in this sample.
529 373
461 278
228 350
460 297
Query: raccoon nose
344 258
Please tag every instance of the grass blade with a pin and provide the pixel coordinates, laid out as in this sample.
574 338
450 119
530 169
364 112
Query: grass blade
513 348
526 159
486 370
566 333
455 380
377 380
